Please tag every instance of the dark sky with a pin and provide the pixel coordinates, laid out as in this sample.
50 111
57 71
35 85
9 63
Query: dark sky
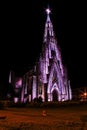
22 28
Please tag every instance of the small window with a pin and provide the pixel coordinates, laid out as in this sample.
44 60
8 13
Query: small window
53 53
40 89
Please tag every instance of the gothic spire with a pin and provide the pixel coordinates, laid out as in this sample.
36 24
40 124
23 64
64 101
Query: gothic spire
48 26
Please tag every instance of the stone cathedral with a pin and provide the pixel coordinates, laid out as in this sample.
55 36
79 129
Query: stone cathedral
48 78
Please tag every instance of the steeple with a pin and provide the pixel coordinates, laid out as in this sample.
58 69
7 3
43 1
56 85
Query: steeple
48 26
48 12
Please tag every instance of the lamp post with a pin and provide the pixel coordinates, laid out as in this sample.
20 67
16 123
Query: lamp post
85 96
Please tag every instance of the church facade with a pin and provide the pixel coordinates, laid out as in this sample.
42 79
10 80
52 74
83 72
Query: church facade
48 78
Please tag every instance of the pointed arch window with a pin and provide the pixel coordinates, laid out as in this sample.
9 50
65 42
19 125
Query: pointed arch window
54 79
53 53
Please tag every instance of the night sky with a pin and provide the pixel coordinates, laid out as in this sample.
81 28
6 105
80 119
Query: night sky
22 29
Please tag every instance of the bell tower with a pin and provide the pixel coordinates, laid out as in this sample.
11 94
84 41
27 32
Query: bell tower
51 67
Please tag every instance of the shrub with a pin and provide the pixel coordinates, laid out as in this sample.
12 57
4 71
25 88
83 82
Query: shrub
38 100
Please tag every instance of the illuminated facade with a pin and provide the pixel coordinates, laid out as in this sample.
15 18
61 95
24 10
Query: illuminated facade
48 78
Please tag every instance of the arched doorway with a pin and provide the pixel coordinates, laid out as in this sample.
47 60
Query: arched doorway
55 95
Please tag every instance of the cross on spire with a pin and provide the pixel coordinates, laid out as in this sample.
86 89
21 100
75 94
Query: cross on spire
48 10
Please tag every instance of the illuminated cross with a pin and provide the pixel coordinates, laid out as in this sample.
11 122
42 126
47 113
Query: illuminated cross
48 11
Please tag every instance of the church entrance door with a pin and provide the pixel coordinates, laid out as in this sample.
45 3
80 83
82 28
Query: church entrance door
55 95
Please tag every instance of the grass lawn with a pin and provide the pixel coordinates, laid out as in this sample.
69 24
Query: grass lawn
62 118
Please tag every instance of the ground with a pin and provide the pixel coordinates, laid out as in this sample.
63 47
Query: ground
62 118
